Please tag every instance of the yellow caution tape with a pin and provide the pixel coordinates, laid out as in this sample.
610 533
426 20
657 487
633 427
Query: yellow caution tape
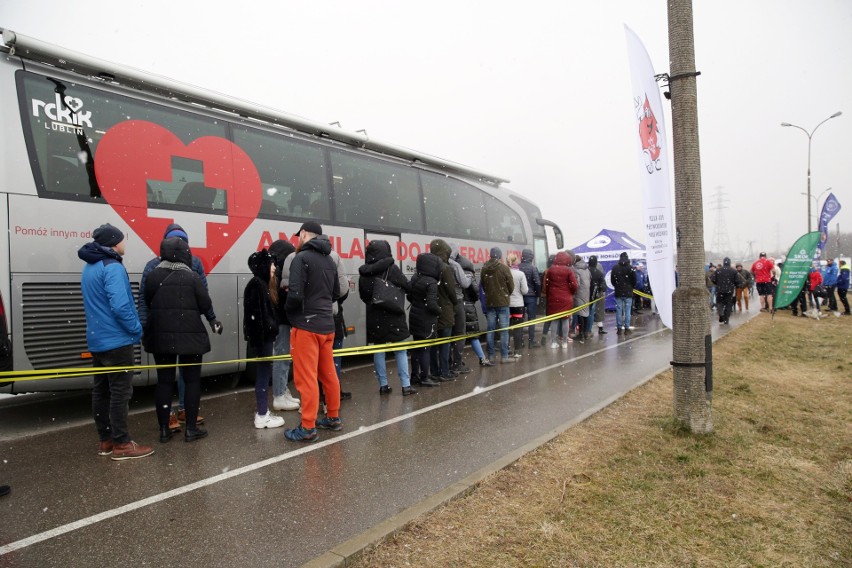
70 372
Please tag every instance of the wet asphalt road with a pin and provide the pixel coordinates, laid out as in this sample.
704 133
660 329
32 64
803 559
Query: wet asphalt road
247 497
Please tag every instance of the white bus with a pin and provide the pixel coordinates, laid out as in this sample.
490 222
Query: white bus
87 142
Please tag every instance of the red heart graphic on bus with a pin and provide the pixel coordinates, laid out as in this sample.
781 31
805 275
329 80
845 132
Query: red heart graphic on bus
133 152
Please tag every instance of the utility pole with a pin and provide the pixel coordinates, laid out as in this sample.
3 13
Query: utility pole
691 342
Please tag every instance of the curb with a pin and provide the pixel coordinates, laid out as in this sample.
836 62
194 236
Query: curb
350 550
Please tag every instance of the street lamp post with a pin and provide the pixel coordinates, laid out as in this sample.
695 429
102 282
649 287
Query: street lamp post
810 138
816 200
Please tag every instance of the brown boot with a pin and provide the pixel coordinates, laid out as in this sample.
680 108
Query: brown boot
130 450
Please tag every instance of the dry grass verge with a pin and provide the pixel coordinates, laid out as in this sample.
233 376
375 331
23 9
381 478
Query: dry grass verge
772 486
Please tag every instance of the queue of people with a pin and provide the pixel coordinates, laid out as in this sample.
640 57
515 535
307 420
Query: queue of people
293 305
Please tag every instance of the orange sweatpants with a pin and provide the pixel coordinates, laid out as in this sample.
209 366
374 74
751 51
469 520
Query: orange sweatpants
313 363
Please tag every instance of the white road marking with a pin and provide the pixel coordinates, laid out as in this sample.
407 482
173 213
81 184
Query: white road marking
154 499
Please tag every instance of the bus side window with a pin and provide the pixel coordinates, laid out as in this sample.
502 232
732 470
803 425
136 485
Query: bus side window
195 194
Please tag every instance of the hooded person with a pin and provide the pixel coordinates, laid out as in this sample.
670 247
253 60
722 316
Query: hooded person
176 231
260 328
385 325
174 334
447 300
598 291
727 280
282 398
623 279
560 285
497 284
533 293
582 297
423 314
463 281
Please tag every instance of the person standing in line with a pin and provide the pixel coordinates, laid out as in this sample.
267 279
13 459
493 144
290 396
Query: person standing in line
726 280
175 300
384 325
516 303
843 287
447 299
175 230
829 280
623 279
545 329
260 328
531 298
423 315
582 297
463 280
314 287
762 270
282 398
339 321
497 284
560 285
112 329
709 275
471 316
742 293
598 290
814 282
641 281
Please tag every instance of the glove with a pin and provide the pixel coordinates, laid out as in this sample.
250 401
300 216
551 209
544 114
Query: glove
216 326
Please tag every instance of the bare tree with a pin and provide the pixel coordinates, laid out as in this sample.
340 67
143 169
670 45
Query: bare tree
692 348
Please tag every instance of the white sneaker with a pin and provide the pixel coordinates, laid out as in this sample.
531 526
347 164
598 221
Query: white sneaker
267 420
631 328
285 402
554 345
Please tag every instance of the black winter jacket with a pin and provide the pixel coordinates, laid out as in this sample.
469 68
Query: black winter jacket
280 250
259 322
447 285
175 298
314 287
383 326
423 317
531 272
727 280
623 279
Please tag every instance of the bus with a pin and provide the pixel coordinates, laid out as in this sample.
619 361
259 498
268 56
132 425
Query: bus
86 142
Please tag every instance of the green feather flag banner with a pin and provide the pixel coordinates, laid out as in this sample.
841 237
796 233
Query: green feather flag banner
798 263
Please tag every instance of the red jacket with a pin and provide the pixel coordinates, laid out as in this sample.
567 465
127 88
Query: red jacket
814 279
560 284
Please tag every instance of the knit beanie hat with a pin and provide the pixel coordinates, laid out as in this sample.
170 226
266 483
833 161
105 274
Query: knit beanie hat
496 253
107 235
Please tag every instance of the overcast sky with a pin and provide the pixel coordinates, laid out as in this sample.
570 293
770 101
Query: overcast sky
538 93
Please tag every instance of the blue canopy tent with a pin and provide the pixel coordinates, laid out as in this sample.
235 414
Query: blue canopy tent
608 245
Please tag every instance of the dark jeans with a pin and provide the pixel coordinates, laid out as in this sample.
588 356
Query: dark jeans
457 351
111 394
419 362
263 374
832 299
842 293
440 354
531 307
799 303
724 303
165 387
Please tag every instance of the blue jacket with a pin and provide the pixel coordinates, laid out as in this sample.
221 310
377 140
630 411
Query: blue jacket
531 272
843 279
640 280
111 320
829 275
